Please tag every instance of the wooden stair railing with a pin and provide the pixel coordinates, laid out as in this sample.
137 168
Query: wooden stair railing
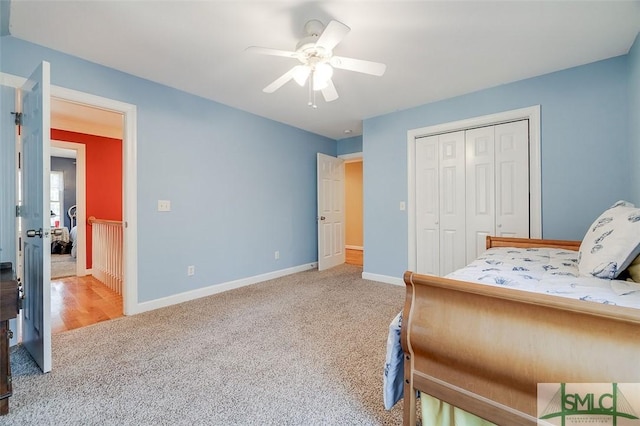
107 264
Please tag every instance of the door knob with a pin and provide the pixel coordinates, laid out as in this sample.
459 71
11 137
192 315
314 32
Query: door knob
34 233
322 218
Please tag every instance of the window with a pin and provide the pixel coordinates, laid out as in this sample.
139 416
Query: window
57 199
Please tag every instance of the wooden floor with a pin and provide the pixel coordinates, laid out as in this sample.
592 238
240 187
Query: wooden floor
354 257
80 301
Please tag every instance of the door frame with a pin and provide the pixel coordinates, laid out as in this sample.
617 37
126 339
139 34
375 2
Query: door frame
353 157
535 172
81 207
129 183
129 177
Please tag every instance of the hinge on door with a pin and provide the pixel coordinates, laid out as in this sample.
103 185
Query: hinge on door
19 211
18 118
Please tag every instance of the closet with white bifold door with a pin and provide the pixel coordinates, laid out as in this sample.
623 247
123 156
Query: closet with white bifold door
469 184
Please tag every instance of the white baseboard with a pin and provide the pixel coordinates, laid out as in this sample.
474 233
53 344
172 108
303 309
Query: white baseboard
354 247
382 278
218 288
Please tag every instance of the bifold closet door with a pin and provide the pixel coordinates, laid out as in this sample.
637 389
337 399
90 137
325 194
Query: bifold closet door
497 176
427 206
452 202
440 199
512 179
480 178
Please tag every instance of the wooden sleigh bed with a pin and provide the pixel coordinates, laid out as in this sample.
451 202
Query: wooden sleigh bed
484 349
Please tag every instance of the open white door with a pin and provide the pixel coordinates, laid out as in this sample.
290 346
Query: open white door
330 212
36 226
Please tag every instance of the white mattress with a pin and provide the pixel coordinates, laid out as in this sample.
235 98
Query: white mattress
546 270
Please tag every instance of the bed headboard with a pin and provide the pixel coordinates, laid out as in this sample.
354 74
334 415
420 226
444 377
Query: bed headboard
531 243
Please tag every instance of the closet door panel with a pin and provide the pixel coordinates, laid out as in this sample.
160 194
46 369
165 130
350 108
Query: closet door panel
427 206
512 179
452 202
480 194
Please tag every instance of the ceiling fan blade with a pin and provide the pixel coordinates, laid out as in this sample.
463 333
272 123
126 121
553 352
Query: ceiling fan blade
330 93
332 35
280 81
271 52
358 65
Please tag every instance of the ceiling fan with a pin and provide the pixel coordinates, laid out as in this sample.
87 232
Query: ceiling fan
317 61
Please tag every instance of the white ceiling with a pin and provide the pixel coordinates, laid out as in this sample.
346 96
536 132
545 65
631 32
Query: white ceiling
433 49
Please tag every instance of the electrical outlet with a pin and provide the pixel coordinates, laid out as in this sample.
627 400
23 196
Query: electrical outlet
191 270
164 205
277 255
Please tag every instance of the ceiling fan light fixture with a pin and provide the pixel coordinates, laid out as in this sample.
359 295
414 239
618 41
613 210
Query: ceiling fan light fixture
301 74
315 54
321 76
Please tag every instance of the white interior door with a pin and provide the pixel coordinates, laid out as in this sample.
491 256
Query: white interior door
512 179
36 239
440 203
330 212
427 206
452 202
480 196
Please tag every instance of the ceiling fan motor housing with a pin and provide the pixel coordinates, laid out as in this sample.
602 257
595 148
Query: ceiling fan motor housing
308 52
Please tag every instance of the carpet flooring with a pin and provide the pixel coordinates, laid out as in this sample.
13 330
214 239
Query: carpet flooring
306 349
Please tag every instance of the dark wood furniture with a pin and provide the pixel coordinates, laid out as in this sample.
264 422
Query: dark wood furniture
8 310
484 349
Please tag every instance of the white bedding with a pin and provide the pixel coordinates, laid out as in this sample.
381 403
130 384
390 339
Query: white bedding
545 270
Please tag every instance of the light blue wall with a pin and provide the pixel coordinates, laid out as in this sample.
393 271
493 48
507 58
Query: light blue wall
584 149
350 145
634 119
68 168
240 186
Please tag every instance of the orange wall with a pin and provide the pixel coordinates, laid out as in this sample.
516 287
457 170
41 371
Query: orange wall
103 176
353 203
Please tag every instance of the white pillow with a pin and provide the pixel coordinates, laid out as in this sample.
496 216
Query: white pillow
612 242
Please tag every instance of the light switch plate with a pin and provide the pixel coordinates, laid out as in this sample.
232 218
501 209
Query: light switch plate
164 205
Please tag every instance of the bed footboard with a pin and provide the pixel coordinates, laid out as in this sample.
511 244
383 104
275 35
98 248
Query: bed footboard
484 349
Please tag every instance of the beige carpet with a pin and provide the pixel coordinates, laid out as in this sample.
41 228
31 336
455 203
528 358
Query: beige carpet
62 265
307 349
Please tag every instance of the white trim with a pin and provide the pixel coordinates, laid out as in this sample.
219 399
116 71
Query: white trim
219 288
535 168
356 156
382 278
81 206
129 177
349 247
11 80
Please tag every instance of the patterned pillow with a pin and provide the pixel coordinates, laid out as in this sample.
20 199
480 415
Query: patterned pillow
612 242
